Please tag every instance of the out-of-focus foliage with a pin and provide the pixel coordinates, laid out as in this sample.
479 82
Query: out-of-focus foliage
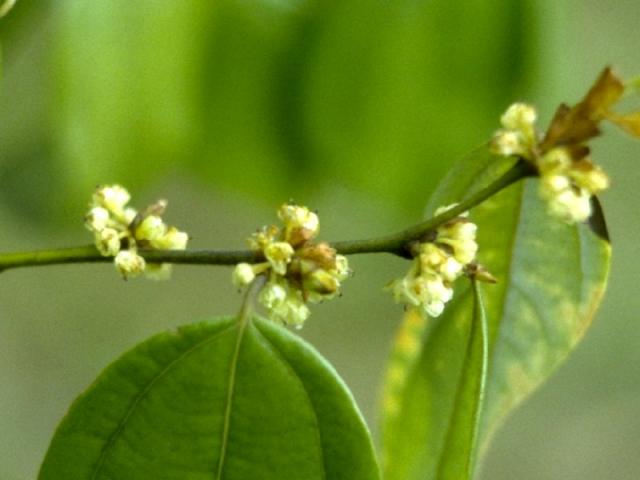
263 97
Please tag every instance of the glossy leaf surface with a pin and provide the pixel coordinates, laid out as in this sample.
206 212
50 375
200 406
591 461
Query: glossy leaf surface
214 400
458 456
551 277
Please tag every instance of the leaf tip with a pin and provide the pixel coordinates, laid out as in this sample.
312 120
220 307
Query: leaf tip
597 222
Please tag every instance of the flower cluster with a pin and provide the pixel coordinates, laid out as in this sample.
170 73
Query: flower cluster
518 134
119 230
298 271
437 264
567 184
568 177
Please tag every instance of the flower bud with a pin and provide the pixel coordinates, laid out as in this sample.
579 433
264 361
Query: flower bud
279 255
592 179
291 311
158 271
450 269
295 216
555 183
242 275
272 295
321 255
108 242
434 308
431 257
557 160
297 313
431 287
507 143
322 282
461 230
263 237
129 215
461 237
173 239
404 291
96 219
129 264
465 251
113 198
301 225
150 229
571 206
342 268
519 116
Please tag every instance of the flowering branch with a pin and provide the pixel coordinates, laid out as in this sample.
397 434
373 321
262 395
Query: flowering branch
296 270
397 244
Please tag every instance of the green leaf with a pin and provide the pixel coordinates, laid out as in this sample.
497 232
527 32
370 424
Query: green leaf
551 278
226 399
458 456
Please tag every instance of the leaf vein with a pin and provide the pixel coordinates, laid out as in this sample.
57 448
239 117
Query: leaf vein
544 321
297 378
230 391
506 297
138 398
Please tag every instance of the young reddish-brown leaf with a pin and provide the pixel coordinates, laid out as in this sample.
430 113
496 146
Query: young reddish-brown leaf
603 95
574 125
567 127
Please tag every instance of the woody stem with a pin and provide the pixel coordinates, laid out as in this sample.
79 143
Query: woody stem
396 243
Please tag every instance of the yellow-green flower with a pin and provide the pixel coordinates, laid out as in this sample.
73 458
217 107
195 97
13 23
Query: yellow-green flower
429 283
114 225
298 271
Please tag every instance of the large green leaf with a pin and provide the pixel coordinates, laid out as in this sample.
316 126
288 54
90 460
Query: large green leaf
458 456
215 400
551 277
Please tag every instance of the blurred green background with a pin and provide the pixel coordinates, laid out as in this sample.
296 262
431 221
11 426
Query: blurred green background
353 107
